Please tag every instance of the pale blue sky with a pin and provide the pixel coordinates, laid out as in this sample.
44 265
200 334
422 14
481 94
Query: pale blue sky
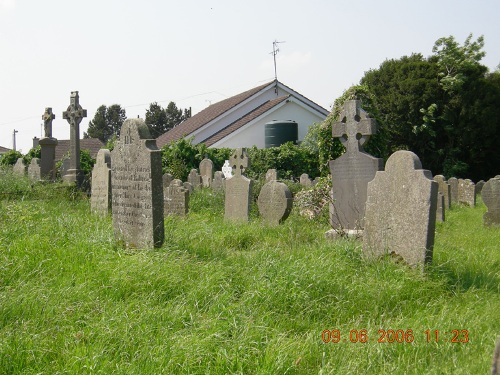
198 52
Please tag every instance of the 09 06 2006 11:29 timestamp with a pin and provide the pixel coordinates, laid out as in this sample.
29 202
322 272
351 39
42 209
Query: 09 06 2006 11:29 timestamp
362 336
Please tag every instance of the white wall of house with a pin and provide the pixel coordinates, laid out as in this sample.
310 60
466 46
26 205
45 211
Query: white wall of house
253 133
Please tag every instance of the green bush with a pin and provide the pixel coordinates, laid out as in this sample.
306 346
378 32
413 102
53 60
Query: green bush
35 152
10 157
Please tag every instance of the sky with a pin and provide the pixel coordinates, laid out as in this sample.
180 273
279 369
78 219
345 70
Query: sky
196 53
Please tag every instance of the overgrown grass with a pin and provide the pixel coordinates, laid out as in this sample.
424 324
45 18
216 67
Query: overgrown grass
226 298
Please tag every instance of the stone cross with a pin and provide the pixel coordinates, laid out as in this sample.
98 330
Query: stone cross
354 130
239 161
352 171
227 170
47 118
74 115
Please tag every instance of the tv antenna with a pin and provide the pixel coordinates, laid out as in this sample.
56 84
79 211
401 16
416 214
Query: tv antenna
274 53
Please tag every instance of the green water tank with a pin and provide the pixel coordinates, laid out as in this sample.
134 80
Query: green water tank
279 132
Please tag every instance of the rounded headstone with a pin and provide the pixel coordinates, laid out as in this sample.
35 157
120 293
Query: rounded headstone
275 202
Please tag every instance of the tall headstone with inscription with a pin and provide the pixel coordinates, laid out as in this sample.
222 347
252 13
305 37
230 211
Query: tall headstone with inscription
467 192
34 170
136 181
401 211
491 198
74 115
275 202
445 189
352 171
19 168
206 172
100 199
48 147
238 188
453 189
176 199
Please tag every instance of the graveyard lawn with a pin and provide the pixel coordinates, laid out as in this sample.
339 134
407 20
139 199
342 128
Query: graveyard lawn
237 298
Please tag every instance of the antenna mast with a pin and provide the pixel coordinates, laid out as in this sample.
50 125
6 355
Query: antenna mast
274 53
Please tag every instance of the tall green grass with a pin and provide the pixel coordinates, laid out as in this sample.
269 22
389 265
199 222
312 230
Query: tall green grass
227 298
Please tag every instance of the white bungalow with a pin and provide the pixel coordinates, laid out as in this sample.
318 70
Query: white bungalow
239 121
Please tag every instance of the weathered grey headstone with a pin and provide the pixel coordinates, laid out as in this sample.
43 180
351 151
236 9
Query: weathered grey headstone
238 188
440 209
100 199
453 189
189 187
167 179
63 170
206 172
194 179
275 202
19 168
401 211
352 171
467 192
137 186
445 189
315 181
176 199
479 186
227 169
74 115
34 170
271 175
305 181
48 147
219 183
491 199
495 365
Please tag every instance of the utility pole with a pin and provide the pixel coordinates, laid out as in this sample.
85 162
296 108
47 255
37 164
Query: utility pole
274 53
14 139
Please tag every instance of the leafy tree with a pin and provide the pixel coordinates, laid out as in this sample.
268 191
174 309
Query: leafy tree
159 120
106 123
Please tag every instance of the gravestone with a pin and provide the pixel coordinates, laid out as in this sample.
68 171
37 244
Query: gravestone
275 202
34 170
137 186
219 183
227 169
495 365
352 171
176 199
479 186
305 181
206 172
48 147
238 188
467 192
445 189
19 168
491 199
194 179
440 208
167 179
189 187
271 175
401 211
74 115
63 170
453 189
100 199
